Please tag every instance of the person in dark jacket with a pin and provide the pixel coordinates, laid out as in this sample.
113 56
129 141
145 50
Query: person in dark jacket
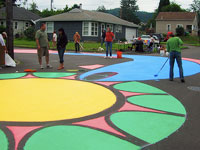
139 45
103 37
61 46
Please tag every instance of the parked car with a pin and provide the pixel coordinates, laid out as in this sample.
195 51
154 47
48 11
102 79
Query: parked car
148 38
160 36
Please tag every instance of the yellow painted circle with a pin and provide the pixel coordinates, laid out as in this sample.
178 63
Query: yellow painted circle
41 100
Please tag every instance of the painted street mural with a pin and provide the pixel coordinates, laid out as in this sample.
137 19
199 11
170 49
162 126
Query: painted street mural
100 109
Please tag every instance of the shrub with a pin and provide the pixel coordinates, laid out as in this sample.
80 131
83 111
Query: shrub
2 29
180 31
30 33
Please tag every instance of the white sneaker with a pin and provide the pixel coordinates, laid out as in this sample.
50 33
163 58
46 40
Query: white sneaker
111 57
41 67
106 57
49 66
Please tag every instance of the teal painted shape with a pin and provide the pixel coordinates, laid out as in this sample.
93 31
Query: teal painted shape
160 102
12 75
3 141
52 74
138 87
76 138
150 127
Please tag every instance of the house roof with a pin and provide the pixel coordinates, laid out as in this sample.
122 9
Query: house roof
176 16
85 15
20 14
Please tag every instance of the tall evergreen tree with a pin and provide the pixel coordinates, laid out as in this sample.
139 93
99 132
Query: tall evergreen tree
128 10
162 4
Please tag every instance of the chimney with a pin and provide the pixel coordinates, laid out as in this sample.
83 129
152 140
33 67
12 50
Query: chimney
80 6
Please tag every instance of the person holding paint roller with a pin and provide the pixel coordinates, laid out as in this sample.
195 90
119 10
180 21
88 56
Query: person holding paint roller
174 48
77 40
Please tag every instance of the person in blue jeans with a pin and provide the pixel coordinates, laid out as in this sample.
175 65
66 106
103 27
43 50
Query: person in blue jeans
61 46
174 47
109 39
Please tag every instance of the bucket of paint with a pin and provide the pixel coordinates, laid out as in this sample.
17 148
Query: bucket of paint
162 53
119 54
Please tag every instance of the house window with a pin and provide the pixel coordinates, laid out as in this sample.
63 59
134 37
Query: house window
94 29
168 27
85 28
90 29
110 26
27 24
50 27
119 28
103 27
2 23
179 25
16 25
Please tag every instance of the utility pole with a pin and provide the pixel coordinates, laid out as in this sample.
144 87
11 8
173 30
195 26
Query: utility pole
51 4
9 27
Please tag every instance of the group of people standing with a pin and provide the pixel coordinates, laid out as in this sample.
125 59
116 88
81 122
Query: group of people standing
60 42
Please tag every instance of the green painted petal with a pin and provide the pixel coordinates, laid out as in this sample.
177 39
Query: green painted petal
12 75
3 141
52 74
161 102
150 127
138 88
75 138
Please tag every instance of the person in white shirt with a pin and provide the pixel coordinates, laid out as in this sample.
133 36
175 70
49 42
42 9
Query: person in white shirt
3 48
55 37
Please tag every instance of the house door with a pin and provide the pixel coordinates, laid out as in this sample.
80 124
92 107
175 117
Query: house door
189 28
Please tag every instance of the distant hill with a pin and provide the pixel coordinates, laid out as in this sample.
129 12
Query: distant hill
142 15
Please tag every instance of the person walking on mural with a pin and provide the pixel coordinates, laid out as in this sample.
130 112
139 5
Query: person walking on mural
61 46
103 36
174 48
109 39
55 37
77 40
42 45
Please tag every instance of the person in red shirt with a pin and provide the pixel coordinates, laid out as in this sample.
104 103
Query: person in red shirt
109 39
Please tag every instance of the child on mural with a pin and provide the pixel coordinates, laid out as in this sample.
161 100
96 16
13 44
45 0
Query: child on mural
109 39
77 40
54 39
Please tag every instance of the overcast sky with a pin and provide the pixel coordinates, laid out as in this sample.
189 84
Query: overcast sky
144 5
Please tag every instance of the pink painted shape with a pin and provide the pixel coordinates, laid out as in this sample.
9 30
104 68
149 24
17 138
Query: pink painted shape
99 123
20 132
131 107
193 60
92 66
28 76
30 51
107 83
127 94
70 77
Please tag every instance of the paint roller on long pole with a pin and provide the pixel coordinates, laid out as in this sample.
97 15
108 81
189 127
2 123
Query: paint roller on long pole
156 75
81 46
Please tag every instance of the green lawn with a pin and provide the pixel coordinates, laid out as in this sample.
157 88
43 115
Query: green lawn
189 40
88 46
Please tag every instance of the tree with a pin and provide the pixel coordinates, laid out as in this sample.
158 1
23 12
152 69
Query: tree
101 9
34 8
162 4
128 10
195 7
30 33
173 7
180 31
